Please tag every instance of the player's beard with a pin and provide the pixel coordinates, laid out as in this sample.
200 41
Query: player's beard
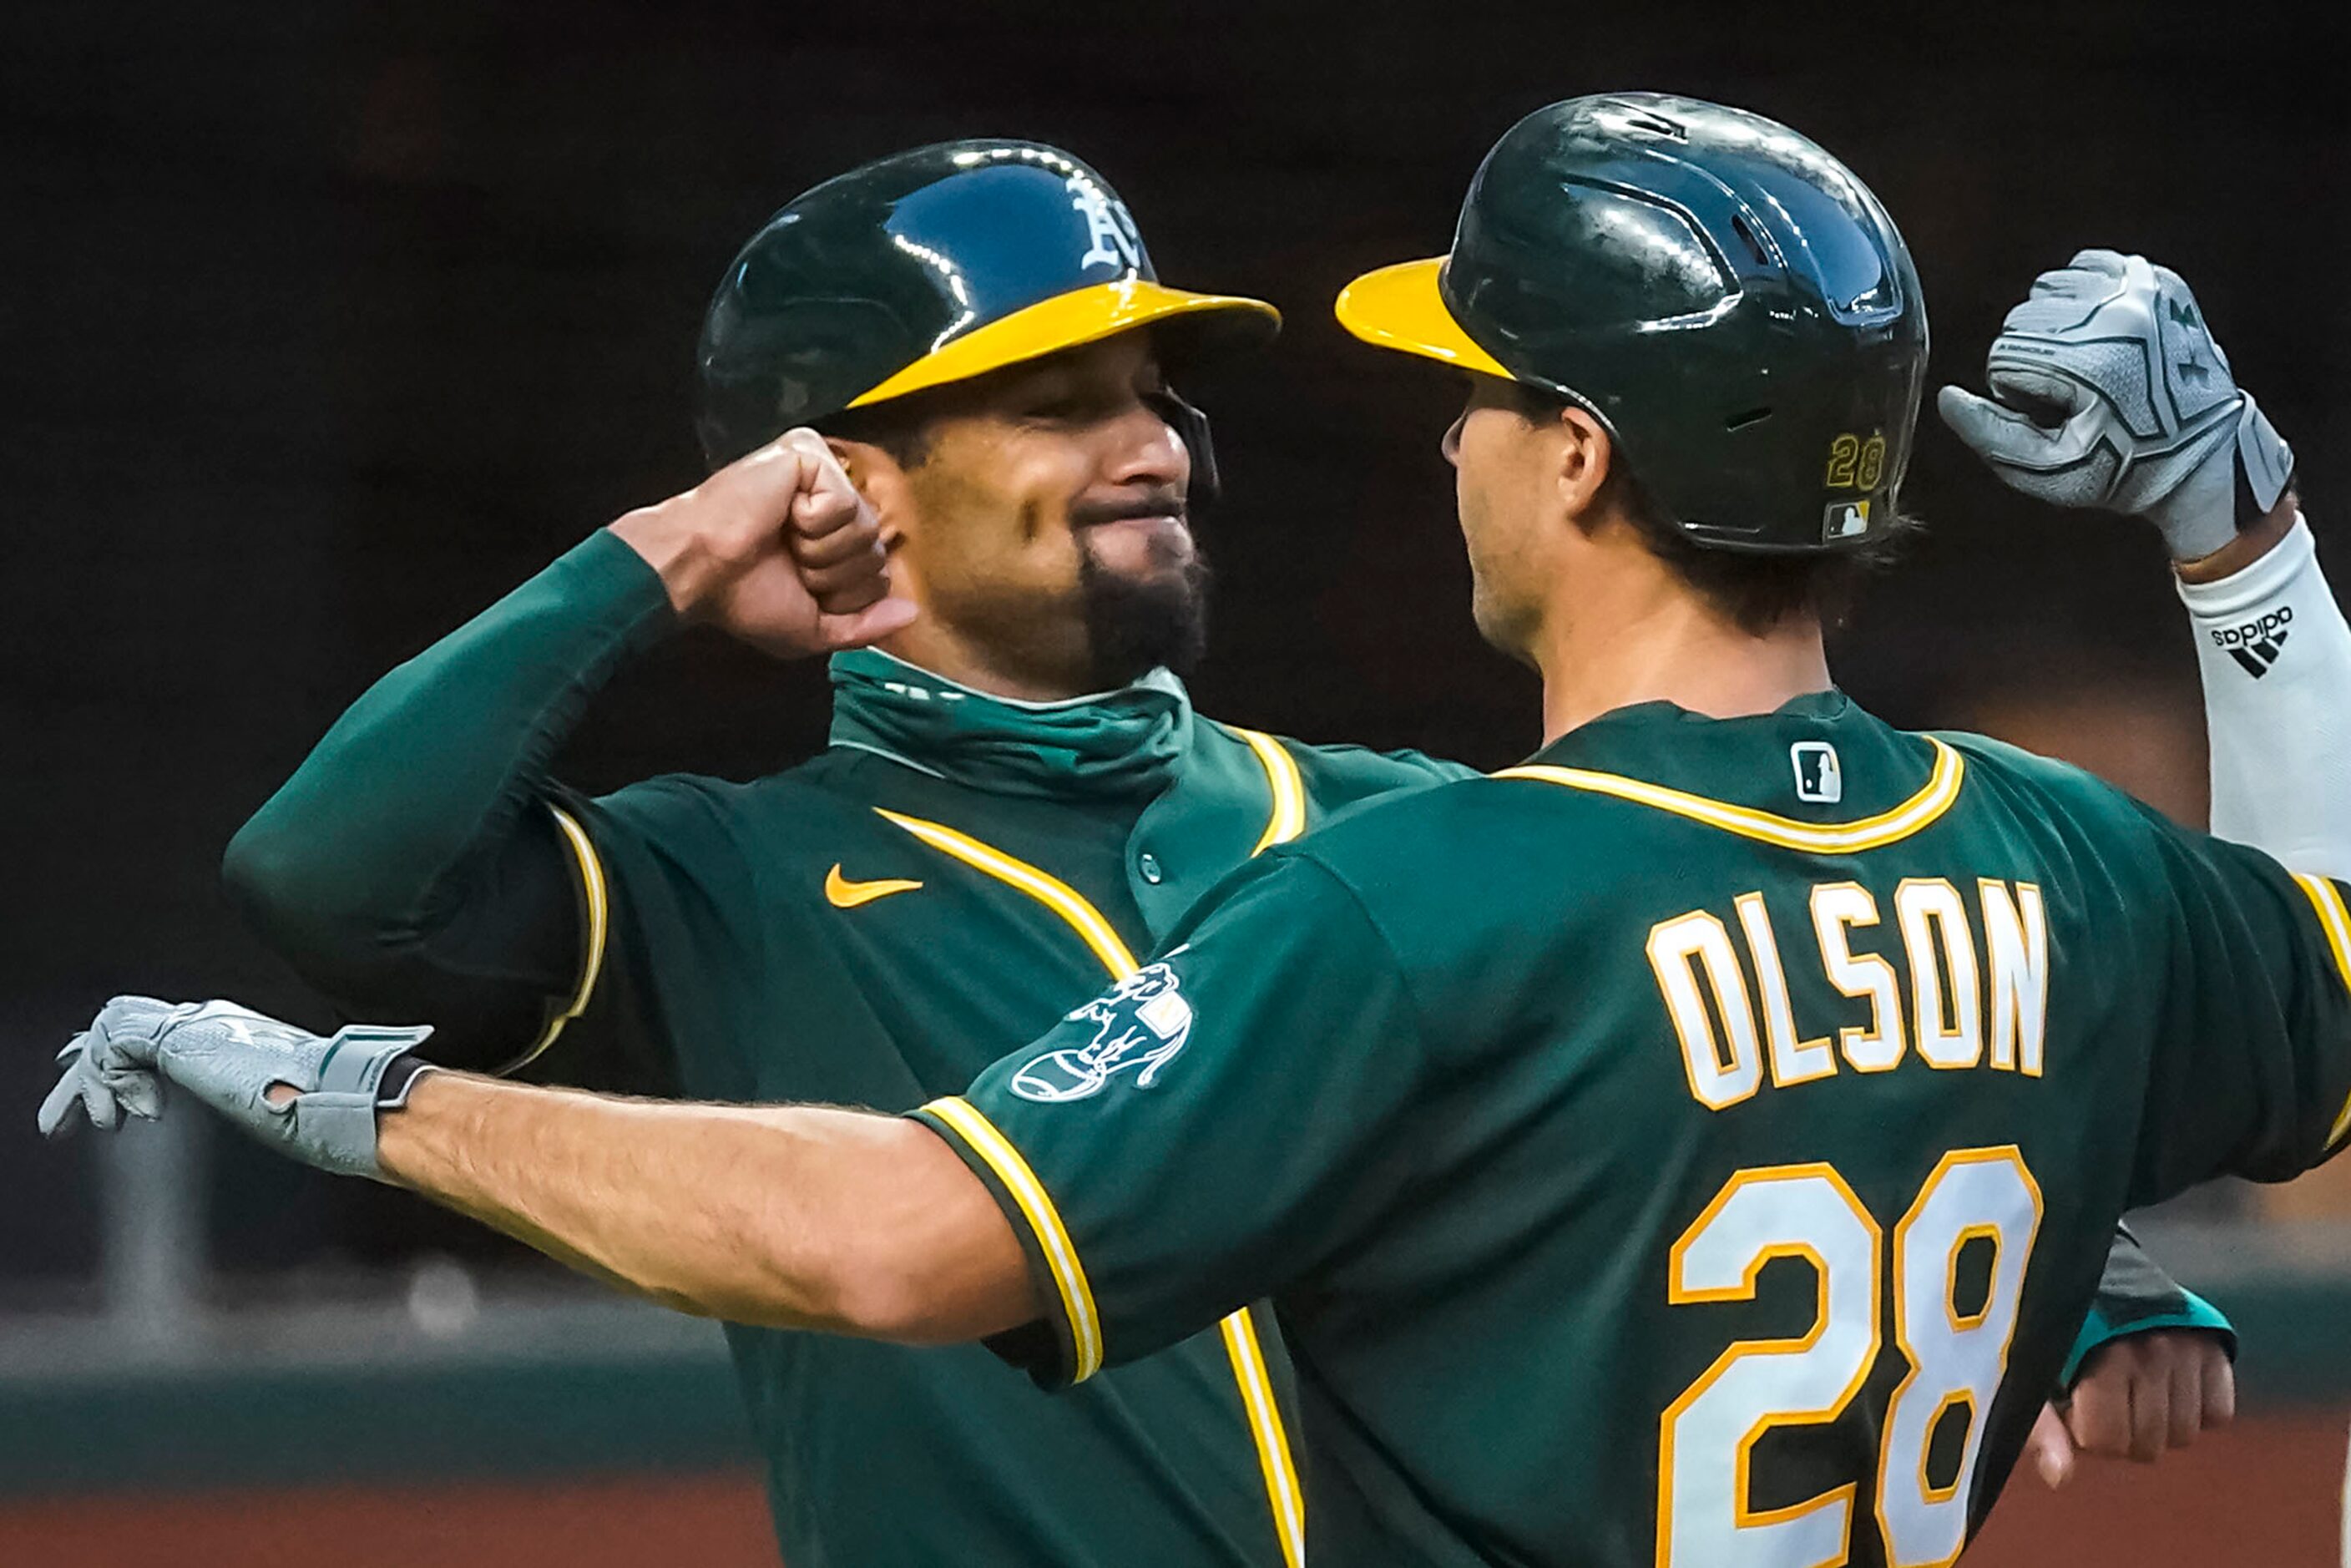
1135 622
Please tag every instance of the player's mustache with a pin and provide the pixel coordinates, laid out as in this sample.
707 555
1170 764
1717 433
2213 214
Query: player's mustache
1152 504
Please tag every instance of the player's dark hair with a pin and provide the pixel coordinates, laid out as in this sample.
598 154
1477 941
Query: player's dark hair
907 427
902 428
1754 591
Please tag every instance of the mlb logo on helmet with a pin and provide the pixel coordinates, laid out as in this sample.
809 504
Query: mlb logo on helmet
1843 519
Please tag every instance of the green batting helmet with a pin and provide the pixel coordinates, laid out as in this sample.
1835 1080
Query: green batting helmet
1721 294
930 267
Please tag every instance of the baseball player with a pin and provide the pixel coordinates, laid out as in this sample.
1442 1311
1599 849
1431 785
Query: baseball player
1411 1078
1017 801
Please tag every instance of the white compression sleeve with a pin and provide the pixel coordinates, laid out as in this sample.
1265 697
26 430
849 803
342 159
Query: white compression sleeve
2275 654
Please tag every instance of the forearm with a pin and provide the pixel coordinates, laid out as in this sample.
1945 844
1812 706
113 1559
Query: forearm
792 1216
2274 655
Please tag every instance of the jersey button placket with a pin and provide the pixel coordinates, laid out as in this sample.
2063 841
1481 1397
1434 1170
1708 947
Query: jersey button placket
1146 865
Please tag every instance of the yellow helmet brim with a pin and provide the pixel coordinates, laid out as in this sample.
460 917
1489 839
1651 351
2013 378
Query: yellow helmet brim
1067 321
1399 307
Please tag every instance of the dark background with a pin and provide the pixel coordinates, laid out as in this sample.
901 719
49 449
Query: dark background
322 324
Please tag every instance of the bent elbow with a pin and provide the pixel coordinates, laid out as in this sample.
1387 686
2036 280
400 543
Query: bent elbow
258 872
287 880
882 1304
935 1261
273 882
869 1225
911 1295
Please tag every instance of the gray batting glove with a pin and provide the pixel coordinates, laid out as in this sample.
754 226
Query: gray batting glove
2108 390
231 1058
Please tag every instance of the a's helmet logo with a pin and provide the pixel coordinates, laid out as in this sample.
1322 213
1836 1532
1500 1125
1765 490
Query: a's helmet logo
1819 778
1107 242
1139 1023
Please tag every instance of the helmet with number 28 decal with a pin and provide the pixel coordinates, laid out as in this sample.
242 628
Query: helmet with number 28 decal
1727 300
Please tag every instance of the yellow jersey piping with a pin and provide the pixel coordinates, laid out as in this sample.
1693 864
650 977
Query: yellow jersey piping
2336 921
1288 819
1055 895
1286 822
1273 1456
1942 787
595 900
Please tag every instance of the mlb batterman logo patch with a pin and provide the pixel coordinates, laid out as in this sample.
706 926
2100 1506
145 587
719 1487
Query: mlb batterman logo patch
1139 1023
1818 777
1843 520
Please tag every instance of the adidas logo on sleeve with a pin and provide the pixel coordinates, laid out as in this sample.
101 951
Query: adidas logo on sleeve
2257 644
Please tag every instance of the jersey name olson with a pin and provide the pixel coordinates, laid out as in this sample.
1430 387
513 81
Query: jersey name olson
1978 990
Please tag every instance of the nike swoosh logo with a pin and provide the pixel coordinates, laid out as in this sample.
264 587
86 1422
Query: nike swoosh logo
844 894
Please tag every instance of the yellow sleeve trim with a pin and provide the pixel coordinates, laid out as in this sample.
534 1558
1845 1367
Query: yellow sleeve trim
1941 789
1289 818
1044 1222
2336 921
1273 1455
1055 895
596 909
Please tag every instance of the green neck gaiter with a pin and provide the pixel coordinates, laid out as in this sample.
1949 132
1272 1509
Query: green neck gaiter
1121 743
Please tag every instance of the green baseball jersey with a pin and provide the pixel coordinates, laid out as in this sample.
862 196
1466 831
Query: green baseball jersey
1696 1146
869 929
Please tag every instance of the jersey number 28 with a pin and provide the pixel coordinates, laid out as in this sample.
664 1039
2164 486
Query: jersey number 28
1956 1358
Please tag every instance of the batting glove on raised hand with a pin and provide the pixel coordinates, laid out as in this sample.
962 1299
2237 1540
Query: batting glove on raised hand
2108 390
231 1058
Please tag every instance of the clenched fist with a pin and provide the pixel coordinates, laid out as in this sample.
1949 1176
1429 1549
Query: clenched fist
777 548
2108 390
2137 1397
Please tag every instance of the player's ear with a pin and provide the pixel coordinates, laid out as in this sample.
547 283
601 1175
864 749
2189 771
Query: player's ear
855 457
880 480
1584 456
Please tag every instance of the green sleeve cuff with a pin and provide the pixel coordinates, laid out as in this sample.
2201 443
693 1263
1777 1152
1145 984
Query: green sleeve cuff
622 578
2194 1313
